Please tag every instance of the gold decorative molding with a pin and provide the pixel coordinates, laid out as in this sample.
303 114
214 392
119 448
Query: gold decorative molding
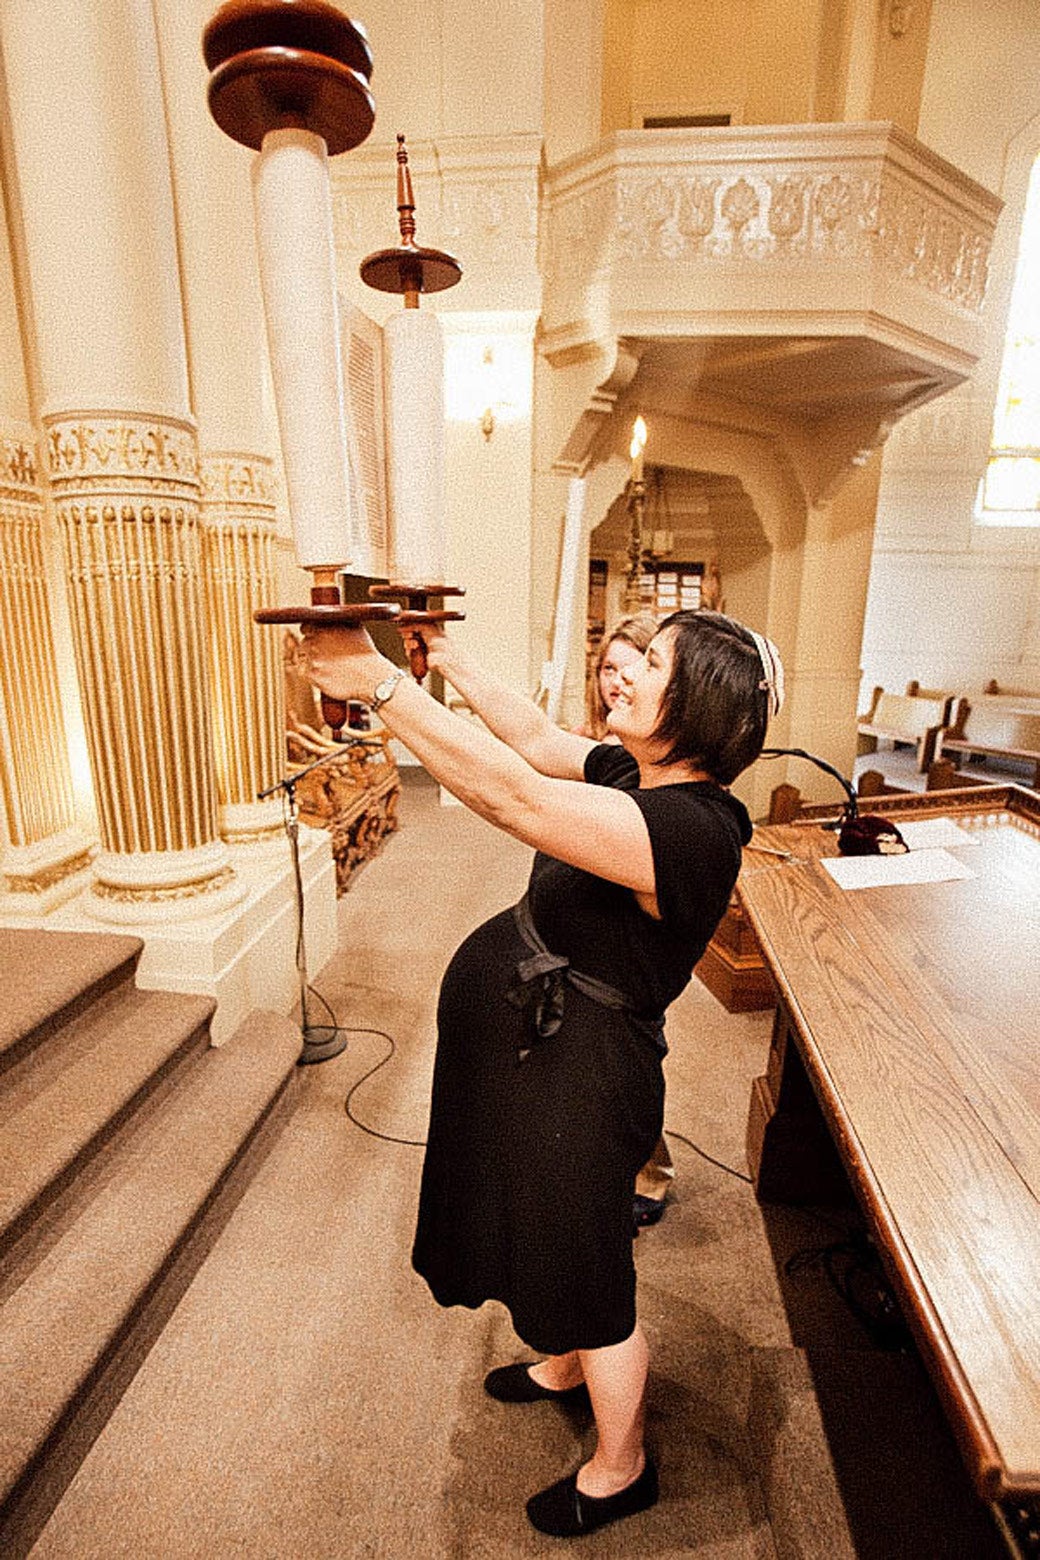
238 539
264 836
18 468
233 480
126 493
156 895
47 877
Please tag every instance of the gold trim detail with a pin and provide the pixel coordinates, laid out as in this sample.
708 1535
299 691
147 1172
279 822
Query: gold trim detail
18 471
126 494
253 836
40 882
110 447
158 896
35 775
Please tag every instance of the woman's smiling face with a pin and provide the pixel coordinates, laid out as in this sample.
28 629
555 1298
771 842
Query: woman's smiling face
620 655
636 711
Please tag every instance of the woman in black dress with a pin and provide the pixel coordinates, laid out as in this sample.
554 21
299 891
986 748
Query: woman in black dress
548 1089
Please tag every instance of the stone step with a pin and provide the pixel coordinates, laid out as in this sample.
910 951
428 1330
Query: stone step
66 1098
50 976
78 1325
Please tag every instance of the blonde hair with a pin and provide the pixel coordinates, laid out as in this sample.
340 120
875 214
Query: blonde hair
636 631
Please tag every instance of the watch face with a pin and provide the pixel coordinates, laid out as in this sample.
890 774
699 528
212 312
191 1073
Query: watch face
386 688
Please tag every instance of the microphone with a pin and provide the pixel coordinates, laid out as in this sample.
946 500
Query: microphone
858 834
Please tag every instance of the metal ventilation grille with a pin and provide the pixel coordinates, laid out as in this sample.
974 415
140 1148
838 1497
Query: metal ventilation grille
684 121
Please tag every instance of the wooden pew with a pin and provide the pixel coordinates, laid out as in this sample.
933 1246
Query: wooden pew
987 729
900 717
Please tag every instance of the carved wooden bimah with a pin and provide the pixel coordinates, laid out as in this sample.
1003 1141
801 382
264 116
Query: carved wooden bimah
415 379
415 610
290 80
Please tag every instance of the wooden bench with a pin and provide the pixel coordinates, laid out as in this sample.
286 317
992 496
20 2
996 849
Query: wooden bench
904 1067
900 717
989 729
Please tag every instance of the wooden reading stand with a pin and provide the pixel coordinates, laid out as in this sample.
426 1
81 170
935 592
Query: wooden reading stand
905 1053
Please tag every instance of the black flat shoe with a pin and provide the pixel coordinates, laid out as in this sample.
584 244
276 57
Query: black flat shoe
515 1384
647 1210
564 1512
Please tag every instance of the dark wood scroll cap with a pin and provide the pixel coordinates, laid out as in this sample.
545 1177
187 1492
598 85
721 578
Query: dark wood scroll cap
414 596
289 64
330 614
409 268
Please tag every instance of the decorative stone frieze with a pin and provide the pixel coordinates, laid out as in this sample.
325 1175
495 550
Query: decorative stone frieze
820 221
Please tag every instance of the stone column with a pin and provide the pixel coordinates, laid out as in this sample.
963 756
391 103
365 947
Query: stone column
90 151
227 362
45 852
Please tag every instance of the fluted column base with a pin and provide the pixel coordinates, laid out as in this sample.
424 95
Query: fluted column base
242 955
36 878
139 887
253 823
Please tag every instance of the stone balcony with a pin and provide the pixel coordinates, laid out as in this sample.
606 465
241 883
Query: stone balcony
818 269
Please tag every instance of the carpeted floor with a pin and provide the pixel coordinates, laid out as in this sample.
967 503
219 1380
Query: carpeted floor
308 1399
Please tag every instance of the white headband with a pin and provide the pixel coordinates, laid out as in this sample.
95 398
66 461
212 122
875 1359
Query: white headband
773 681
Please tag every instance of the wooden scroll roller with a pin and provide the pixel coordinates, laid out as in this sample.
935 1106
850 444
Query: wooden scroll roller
289 78
415 611
417 420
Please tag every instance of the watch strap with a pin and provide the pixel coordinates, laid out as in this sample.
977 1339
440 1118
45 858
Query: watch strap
384 690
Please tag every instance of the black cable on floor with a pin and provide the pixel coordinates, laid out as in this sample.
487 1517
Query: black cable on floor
854 1270
341 1029
737 1174
385 1137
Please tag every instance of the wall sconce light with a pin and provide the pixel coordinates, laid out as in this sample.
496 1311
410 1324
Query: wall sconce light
488 373
487 416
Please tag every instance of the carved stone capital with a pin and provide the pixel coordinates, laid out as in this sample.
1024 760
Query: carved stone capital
89 451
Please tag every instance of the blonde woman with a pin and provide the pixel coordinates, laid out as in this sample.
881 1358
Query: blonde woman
621 648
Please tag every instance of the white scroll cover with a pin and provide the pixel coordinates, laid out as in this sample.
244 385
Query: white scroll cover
298 278
414 351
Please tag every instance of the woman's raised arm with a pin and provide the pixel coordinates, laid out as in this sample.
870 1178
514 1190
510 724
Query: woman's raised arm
596 828
515 719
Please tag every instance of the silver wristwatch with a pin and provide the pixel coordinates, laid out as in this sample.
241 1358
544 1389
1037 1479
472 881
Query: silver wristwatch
384 691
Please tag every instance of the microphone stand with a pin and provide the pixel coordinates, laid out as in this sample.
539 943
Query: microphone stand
858 834
851 805
321 1042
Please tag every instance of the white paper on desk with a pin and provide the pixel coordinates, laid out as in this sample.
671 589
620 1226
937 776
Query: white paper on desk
930 833
913 866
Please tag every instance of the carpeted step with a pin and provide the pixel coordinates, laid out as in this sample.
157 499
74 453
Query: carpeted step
66 1098
75 1330
49 976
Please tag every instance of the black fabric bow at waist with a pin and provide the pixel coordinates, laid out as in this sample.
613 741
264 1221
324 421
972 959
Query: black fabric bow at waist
543 978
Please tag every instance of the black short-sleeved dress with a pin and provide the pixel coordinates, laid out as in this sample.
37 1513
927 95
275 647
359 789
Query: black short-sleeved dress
530 1164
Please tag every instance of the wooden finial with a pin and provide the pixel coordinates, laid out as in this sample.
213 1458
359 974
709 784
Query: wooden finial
409 269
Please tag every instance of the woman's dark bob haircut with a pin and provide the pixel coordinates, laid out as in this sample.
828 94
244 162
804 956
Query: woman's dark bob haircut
714 711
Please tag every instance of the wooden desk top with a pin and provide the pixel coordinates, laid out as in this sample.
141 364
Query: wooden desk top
917 1010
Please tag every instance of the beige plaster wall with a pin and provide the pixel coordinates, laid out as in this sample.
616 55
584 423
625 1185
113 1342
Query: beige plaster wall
951 602
757 60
